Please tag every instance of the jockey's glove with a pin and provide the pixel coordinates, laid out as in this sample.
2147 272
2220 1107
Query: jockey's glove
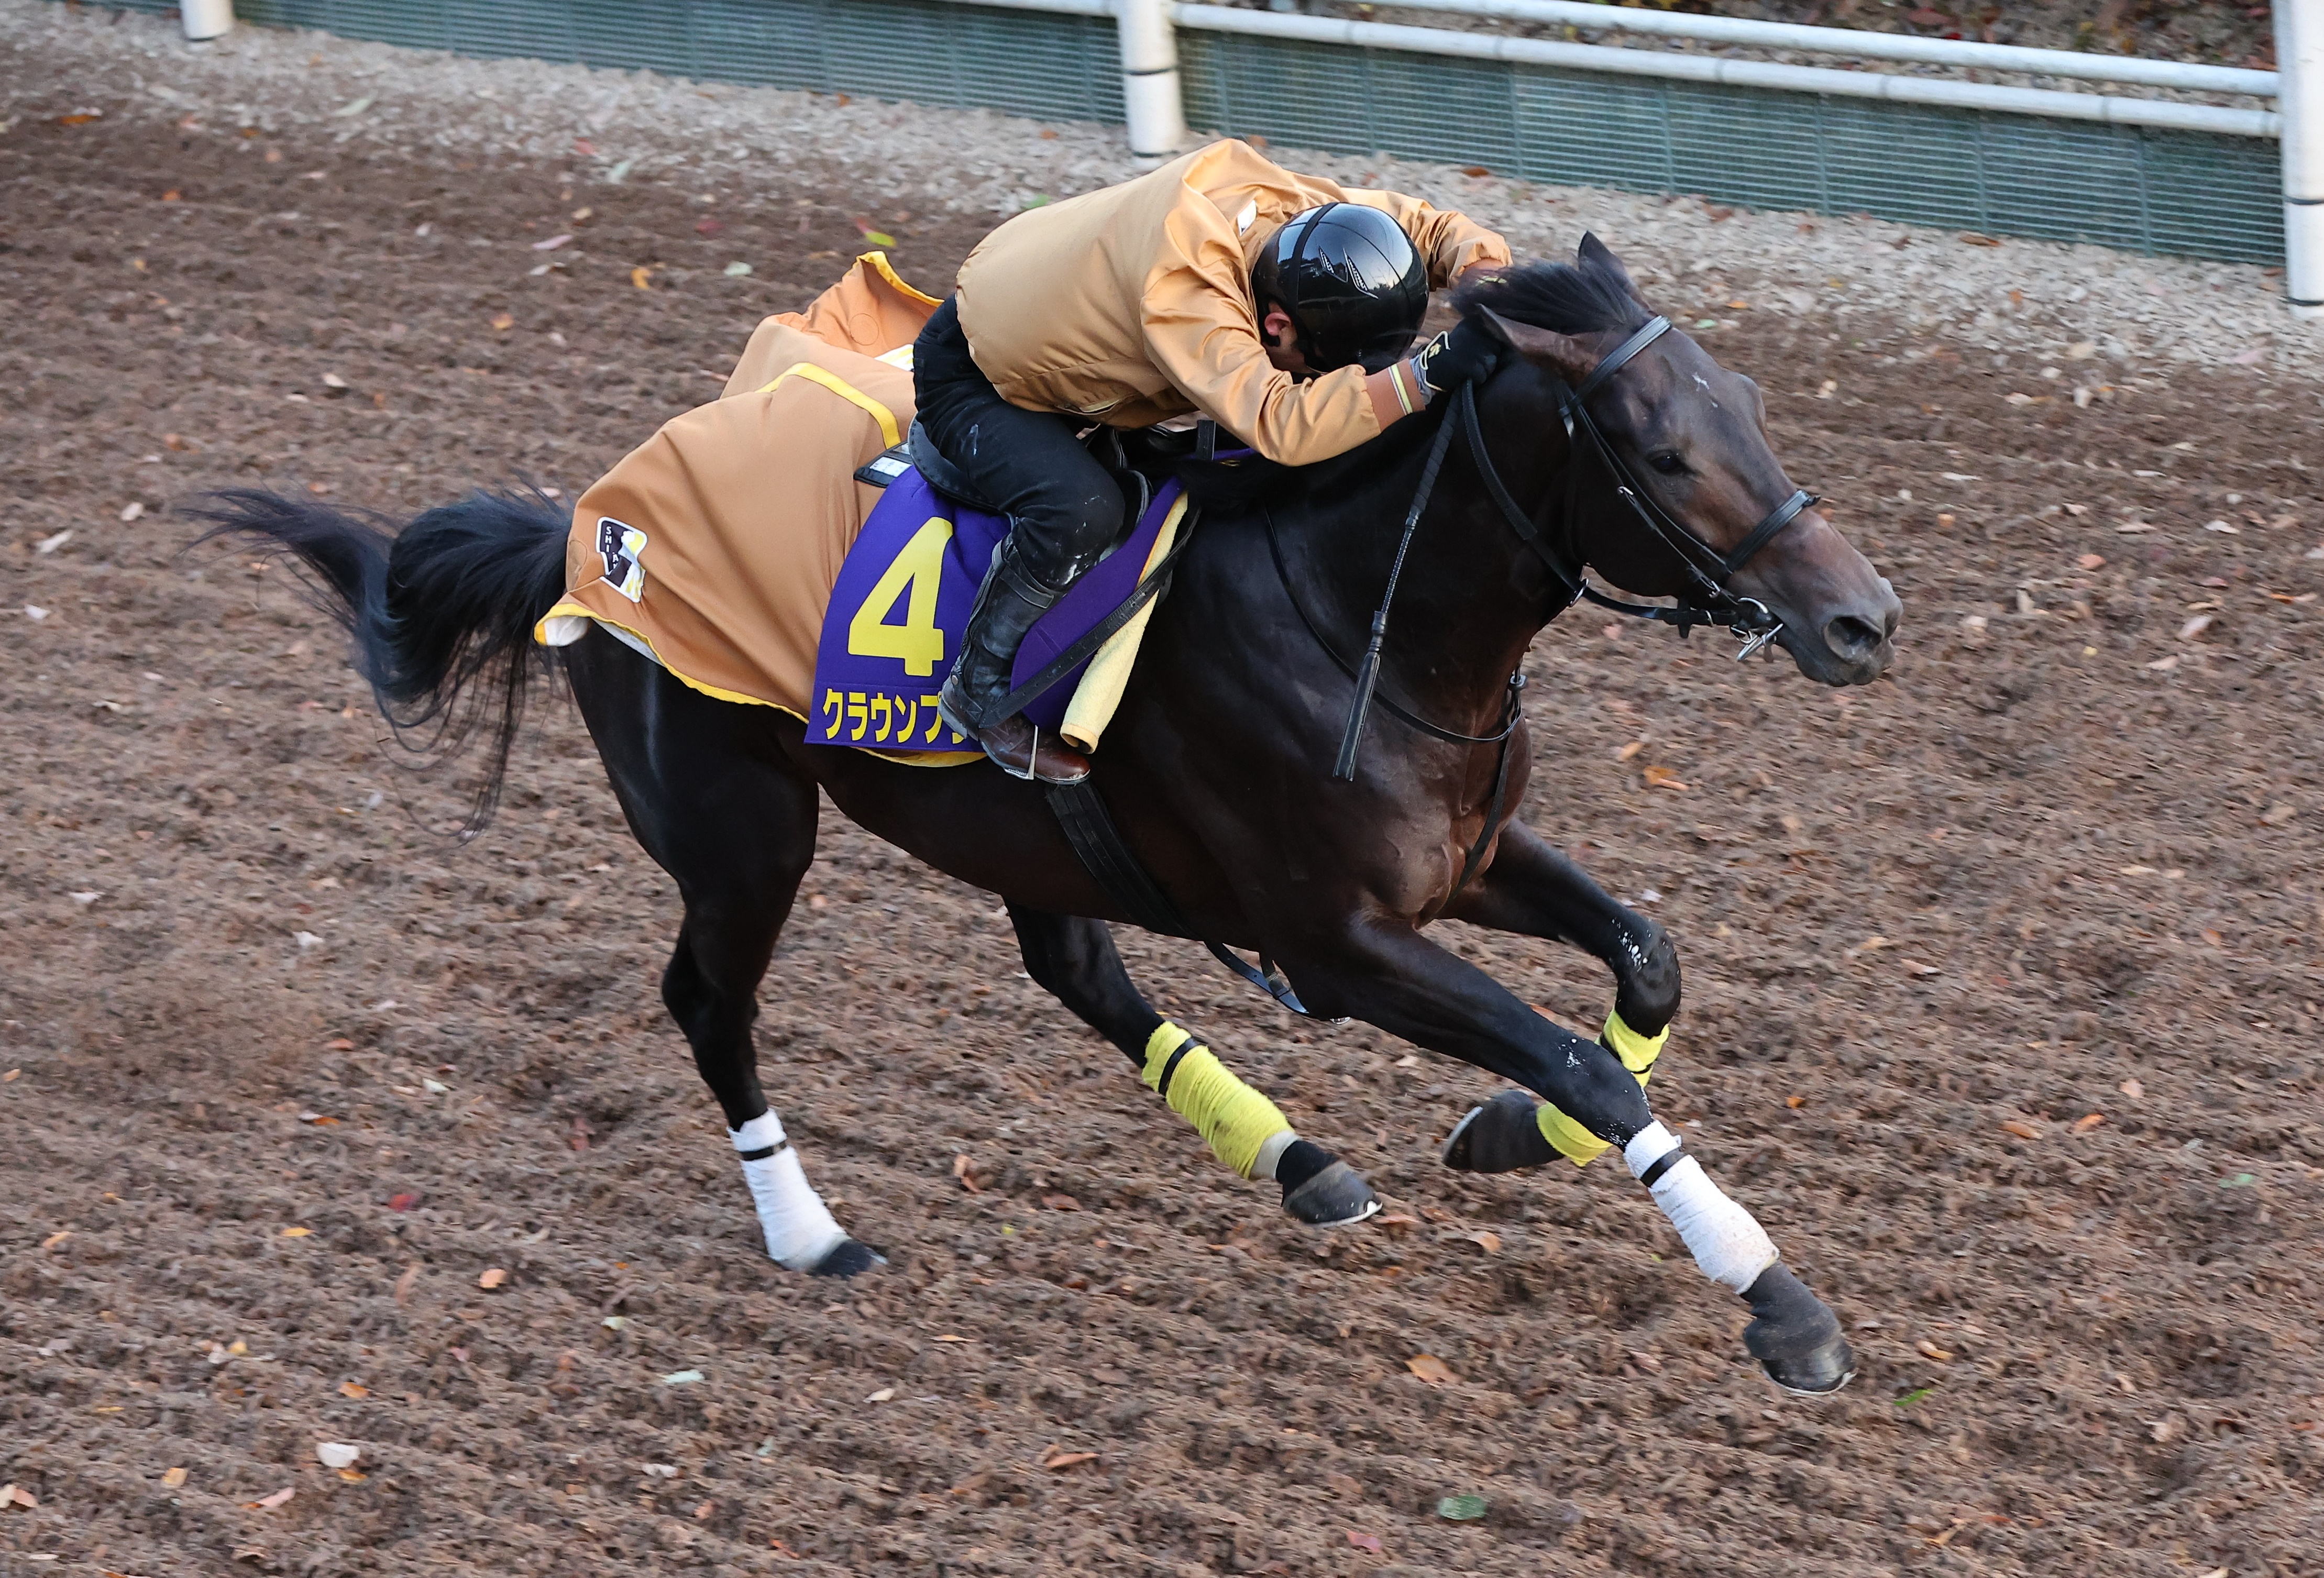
1463 353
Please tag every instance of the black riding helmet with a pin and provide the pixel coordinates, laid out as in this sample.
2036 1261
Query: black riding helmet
1352 282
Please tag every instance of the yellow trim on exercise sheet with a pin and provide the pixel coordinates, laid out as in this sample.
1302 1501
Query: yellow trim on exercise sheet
847 391
879 262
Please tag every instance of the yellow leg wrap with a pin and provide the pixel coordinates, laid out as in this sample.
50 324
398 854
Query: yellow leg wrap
1233 1119
1638 1053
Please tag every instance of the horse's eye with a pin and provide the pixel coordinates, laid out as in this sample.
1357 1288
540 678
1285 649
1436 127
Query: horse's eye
1666 461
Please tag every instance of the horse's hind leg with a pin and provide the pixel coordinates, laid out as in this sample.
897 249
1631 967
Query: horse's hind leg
710 794
1076 959
1533 890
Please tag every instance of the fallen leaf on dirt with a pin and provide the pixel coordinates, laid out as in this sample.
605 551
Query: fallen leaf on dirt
1061 1202
1975 238
707 225
2276 816
1397 1221
2024 1130
503 322
354 1389
2092 561
298 1233
953 1337
172 1478
683 1378
401 1202
17 1495
1914 1395
1630 750
781 1549
1478 170
2194 627
2088 1122
1462 1508
54 1239
337 1455
1931 1350
265 1503
403 1283
1486 1240
1057 1459
1364 1541
1914 967
554 241
12 1076
883 1395
1867 945
735 271
2132 1088
964 1168
1430 1369
493 1277
638 277
1647 1362
1795 1102
2210 934
1664 778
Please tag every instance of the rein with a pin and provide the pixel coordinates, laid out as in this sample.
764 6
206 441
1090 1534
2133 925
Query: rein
1707 601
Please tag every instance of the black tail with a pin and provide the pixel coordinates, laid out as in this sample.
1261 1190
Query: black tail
449 599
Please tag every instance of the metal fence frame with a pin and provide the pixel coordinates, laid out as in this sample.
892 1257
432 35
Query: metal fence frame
2143 187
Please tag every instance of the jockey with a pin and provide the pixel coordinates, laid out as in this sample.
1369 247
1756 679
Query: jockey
1280 306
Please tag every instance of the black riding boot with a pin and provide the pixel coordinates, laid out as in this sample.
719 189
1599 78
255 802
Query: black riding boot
1008 604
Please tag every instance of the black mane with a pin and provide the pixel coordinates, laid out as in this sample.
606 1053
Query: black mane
1575 297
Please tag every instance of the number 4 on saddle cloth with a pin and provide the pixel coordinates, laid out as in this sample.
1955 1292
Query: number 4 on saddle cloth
901 604
769 549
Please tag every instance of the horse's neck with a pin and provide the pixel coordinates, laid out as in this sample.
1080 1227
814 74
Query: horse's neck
1472 595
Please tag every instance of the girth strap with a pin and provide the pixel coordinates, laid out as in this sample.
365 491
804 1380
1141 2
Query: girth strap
1089 827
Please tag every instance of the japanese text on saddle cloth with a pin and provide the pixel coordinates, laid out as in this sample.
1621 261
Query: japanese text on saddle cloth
713 546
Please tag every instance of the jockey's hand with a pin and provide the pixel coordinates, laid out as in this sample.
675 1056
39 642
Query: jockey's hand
1463 353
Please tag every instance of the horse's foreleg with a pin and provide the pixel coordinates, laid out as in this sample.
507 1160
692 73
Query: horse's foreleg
709 793
1533 890
1393 977
1074 959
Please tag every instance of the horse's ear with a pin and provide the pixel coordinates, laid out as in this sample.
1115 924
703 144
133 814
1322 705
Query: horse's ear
1594 253
1562 354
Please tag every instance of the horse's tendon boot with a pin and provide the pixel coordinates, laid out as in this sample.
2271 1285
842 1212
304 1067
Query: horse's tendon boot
1795 1335
1502 1136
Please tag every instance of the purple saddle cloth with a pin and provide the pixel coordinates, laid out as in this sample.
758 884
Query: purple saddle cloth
897 611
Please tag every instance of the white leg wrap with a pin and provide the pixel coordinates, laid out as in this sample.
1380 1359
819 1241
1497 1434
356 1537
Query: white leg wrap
799 1229
1727 1241
1270 1151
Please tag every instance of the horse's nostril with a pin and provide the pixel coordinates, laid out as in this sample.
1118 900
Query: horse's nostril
1853 638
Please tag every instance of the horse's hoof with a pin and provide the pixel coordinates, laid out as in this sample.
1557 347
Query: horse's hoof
1334 1197
1500 1137
1795 1337
847 1258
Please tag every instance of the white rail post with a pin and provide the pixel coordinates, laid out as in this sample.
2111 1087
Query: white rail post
205 19
2300 58
1150 97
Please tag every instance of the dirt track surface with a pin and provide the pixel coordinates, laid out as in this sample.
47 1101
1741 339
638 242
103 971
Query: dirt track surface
245 958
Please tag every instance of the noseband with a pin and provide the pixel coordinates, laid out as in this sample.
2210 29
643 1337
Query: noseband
1707 599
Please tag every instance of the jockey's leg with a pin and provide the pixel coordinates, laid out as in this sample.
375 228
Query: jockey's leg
1063 509
1533 890
1075 958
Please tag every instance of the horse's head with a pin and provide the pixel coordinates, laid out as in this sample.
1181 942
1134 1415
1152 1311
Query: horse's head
1692 436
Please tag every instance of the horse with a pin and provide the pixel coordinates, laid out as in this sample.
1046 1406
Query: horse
1269 818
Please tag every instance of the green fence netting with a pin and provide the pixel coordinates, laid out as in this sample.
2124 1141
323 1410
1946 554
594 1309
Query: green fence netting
2131 187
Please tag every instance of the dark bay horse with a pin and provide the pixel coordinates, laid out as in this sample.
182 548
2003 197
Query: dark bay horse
1219 766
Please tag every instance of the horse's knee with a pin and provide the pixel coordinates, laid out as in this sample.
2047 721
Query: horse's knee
1646 980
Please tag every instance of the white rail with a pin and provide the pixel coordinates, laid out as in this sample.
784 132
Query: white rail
1672 65
2300 49
1856 43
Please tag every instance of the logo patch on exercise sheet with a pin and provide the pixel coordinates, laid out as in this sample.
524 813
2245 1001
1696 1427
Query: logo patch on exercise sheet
620 546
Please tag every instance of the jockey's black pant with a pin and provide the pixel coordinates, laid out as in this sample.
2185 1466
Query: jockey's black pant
1064 508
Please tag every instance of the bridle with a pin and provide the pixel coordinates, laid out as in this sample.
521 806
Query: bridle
1707 599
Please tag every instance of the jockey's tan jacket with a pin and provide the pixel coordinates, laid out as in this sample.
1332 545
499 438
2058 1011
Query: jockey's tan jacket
1132 304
